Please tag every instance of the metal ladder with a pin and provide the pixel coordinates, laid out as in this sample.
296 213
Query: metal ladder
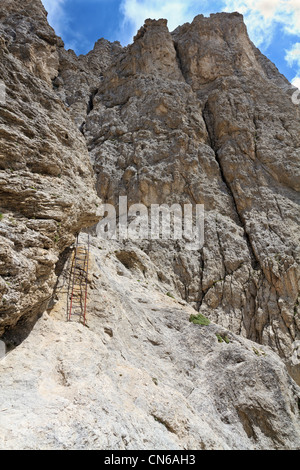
78 283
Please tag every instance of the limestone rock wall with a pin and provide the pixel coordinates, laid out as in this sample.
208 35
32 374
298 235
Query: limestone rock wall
46 180
194 116
201 116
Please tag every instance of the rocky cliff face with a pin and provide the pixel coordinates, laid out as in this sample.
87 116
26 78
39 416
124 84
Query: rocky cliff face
194 116
46 180
201 116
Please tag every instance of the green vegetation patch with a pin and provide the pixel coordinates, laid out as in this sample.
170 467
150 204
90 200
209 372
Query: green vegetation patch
223 339
199 320
170 295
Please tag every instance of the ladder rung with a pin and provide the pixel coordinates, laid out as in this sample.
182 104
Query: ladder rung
78 282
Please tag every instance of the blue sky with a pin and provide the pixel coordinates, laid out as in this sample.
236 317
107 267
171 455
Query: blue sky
273 25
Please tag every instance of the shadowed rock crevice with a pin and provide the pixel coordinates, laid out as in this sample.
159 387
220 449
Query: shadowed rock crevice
210 131
90 106
15 335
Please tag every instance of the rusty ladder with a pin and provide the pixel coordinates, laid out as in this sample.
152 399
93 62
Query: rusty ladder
78 283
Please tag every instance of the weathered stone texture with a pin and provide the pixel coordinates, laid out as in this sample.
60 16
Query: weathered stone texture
46 180
195 116
198 116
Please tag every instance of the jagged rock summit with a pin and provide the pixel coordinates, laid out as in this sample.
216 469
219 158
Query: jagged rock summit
197 115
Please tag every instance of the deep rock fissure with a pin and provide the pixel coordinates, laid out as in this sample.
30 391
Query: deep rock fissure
179 61
254 260
90 105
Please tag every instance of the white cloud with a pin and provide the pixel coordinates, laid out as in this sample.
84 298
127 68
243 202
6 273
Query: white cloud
293 9
59 19
293 55
296 82
262 17
177 12
56 15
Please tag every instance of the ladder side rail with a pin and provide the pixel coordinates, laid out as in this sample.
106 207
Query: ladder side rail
86 281
73 280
